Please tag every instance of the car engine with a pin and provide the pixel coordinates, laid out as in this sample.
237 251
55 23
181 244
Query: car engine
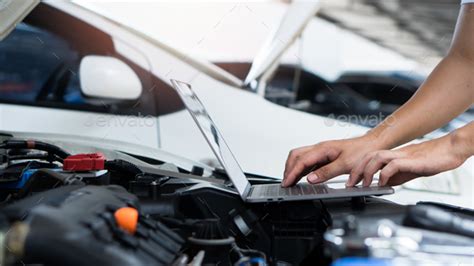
86 209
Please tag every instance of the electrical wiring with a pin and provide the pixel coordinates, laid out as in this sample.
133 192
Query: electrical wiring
45 172
34 145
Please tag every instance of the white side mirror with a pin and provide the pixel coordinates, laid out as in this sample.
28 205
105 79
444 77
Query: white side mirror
108 77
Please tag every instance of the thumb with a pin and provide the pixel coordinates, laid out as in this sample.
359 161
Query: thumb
326 172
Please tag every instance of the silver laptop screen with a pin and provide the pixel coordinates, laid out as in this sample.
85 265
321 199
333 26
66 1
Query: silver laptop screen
213 136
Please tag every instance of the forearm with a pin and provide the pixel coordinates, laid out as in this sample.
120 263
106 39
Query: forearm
447 92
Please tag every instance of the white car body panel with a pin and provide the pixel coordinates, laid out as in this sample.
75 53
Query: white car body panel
101 126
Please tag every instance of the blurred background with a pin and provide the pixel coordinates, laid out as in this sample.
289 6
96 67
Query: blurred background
418 29
362 49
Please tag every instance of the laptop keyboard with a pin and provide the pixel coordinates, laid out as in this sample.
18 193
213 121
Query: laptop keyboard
275 190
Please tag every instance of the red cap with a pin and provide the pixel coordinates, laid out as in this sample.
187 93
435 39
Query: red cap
84 162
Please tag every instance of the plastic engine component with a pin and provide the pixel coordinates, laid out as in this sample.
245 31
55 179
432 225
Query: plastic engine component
84 162
73 222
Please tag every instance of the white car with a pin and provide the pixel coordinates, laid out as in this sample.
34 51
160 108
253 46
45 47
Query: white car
73 71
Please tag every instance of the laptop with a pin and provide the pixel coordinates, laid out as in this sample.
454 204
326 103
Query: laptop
261 192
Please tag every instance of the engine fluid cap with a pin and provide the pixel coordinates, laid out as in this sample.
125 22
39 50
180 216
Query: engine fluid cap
127 219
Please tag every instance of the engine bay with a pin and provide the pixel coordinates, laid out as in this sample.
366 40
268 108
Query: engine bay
60 208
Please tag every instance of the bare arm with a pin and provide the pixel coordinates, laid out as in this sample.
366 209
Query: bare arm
447 92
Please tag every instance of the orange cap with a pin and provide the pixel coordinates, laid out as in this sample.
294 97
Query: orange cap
127 219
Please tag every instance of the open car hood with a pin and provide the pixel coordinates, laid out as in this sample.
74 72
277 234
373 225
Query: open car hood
299 13
13 12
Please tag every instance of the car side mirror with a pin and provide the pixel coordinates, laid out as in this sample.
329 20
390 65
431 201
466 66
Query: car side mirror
108 78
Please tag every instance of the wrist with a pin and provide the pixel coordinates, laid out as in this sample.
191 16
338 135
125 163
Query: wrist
462 143
381 137
377 140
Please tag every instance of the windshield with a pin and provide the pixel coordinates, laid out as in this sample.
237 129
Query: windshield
42 90
22 78
40 59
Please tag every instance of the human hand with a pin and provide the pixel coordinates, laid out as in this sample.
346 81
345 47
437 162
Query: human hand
326 160
404 164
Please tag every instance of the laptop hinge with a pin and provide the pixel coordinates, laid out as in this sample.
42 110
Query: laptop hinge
247 192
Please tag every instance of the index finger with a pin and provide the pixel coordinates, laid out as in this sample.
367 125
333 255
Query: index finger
293 156
304 164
